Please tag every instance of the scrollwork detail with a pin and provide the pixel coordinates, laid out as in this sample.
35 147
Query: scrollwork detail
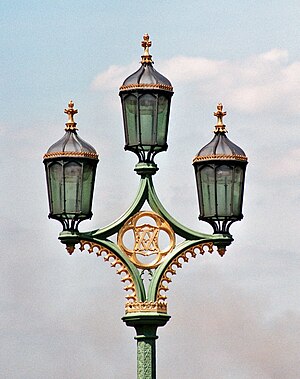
115 262
177 263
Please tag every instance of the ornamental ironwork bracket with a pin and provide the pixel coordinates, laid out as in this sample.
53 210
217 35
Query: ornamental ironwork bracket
146 243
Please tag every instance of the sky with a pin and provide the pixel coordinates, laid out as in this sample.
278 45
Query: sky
235 317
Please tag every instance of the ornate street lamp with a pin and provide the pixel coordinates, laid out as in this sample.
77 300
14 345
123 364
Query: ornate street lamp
146 99
220 175
146 253
70 165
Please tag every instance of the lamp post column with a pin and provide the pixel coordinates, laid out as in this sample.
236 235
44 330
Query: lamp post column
146 325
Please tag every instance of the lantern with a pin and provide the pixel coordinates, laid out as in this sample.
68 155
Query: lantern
70 167
220 175
146 99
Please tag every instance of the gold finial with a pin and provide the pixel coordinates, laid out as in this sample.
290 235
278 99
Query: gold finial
220 127
146 43
71 124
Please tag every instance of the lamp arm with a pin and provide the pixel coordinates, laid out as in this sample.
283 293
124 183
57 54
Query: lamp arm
178 228
181 254
136 205
98 243
112 254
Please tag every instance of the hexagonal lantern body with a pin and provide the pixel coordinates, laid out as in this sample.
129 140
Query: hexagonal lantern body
146 99
70 165
220 175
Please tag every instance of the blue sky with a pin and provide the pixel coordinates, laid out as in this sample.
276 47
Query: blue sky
235 317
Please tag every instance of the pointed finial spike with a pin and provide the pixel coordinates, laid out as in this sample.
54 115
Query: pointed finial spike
71 124
220 127
146 44
70 249
221 251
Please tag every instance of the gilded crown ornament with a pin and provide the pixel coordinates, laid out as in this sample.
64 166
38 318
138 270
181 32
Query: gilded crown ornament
71 124
220 127
146 43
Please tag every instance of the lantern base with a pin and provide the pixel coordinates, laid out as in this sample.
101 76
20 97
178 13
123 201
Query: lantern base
221 226
146 169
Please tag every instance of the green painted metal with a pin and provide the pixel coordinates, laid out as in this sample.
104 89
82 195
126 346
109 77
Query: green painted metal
146 193
136 205
71 238
178 228
146 323
159 272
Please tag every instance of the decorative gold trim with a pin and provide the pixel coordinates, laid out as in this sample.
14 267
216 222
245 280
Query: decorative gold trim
146 239
62 154
220 127
71 124
177 263
70 249
220 156
146 86
145 306
115 262
221 251
146 44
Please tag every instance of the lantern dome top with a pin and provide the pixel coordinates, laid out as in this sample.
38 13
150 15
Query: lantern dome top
71 145
146 77
220 147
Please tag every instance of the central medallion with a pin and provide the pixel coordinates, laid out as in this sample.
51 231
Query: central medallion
146 238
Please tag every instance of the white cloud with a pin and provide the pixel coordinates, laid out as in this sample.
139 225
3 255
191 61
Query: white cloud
287 165
112 78
275 55
256 84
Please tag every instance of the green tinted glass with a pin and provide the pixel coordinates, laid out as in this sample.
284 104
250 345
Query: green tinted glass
207 183
73 195
224 186
56 194
162 120
238 190
87 188
131 120
147 107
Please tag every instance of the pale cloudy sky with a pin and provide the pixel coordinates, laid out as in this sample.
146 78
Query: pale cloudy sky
236 317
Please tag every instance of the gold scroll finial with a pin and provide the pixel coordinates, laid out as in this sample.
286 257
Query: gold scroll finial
220 127
71 124
146 43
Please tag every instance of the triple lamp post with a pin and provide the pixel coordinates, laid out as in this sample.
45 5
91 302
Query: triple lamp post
146 254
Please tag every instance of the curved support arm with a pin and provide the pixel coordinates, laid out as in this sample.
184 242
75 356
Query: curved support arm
146 192
115 226
193 239
108 247
133 271
178 228
184 252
